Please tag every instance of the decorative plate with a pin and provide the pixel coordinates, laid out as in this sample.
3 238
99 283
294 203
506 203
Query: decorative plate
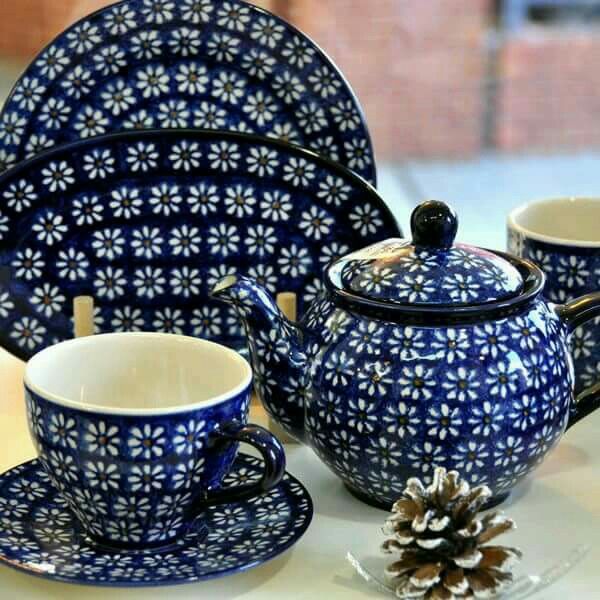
208 64
39 534
148 221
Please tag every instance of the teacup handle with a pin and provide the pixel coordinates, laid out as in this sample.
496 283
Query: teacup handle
272 453
574 314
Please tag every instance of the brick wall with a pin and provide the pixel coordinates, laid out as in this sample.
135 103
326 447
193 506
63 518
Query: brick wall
549 94
418 67
27 26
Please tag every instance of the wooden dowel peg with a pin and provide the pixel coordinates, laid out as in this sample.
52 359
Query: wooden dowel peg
288 304
83 316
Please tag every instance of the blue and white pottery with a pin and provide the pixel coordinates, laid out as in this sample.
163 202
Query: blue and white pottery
207 64
40 535
562 236
420 354
147 222
136 432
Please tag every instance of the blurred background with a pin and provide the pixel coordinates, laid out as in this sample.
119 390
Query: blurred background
483 103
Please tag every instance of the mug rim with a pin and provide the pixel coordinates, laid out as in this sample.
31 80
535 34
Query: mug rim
548 239
136 412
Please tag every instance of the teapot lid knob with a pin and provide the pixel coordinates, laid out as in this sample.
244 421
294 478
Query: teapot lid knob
433 224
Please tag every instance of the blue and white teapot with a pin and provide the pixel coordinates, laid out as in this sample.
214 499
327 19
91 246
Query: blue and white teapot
417 354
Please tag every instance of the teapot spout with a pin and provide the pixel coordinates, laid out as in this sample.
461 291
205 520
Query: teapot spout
276 350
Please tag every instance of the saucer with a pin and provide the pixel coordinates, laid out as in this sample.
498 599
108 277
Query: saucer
40 536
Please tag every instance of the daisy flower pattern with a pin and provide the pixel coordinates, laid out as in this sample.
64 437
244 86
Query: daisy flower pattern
280 517
110 283
224 156
417 382
168 320
72 264
112 237
145 478
224 239
108 243
276 206
20 195
126 202
6 304
142 157
50 228
299 172
147 441
316 223
185 156
58 176
262 161
185 282
28 264
118 98
366 219
149 282
48 299
443 422
105 477
240 201
165 199
127 319
294 261
91 122
261 240
63 431
190 437
99 164
102 439
207 322
147 242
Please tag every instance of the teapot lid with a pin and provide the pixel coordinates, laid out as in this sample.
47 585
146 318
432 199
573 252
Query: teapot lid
431 270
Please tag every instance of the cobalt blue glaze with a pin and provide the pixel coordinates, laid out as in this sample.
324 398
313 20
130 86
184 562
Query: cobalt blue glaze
208 64
141 480
148 221
41 536
434 224
384 391
571 271
429 271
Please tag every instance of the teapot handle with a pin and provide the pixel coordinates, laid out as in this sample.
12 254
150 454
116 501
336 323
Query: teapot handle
574 314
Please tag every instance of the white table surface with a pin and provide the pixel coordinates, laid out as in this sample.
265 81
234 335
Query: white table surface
556 510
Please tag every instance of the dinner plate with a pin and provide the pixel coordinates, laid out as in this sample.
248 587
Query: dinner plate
39 534
208 64
148 221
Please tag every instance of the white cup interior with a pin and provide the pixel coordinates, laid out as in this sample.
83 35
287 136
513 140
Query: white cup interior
145 373
566 221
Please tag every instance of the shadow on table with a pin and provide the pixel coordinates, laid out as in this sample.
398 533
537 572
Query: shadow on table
334 500
565 457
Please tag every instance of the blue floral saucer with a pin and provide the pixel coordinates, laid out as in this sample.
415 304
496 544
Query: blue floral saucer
148 221
39 535
208 64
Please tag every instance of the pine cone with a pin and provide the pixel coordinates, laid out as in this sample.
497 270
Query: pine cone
440 541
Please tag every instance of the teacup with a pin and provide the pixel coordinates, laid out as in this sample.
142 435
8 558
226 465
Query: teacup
137 431
563 237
